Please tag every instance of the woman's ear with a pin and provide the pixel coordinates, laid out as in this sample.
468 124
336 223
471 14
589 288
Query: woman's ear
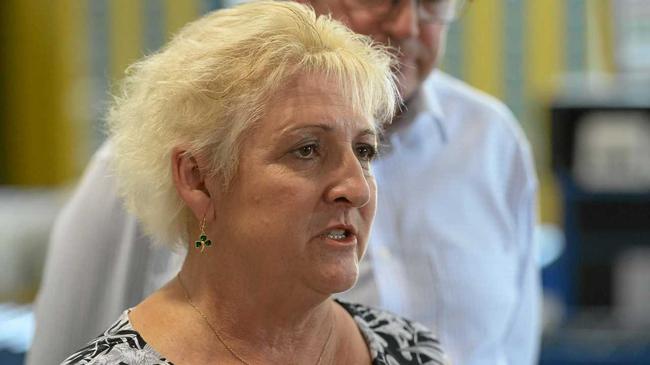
190 182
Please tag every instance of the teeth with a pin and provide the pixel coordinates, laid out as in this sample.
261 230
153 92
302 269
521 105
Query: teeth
337 234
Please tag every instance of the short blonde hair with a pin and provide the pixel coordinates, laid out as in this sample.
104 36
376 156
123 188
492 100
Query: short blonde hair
212 81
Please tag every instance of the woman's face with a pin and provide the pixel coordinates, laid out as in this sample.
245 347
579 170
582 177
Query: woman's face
303 199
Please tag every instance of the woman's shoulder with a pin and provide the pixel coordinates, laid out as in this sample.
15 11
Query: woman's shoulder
393 339
119 344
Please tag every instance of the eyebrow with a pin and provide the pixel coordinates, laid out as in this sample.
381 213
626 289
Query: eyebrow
328 128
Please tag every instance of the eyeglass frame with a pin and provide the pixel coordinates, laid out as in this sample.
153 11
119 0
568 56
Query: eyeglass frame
393 4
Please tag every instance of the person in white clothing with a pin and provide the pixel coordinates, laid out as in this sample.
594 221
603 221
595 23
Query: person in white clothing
452 241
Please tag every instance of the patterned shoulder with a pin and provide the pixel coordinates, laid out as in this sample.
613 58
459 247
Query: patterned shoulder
119 344
395 340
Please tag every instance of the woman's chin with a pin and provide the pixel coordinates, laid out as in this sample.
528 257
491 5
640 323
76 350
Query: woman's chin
344 285
339 277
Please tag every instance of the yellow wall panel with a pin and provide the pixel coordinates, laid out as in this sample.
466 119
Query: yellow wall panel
125 34
483 46
544 45
544 62
179 13
32 116
71 24
599 36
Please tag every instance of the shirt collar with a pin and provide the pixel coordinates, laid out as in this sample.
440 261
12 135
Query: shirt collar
426 103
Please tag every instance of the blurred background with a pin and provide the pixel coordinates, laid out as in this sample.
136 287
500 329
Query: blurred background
575 72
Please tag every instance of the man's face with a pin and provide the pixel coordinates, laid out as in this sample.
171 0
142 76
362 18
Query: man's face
420 44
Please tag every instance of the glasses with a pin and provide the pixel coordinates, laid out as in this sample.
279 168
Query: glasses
429 11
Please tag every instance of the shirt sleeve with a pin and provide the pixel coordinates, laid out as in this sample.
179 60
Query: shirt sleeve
89 276
521 343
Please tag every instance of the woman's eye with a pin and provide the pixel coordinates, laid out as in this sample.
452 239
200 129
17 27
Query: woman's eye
366 152
306 151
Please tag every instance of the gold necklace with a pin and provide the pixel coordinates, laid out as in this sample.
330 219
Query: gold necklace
221 340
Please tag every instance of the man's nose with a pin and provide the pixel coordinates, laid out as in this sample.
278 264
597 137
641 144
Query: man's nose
403 21
350 184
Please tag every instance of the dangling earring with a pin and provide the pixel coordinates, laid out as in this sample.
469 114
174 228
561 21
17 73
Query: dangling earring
203 241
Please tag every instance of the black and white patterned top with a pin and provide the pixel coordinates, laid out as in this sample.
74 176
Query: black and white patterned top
392 340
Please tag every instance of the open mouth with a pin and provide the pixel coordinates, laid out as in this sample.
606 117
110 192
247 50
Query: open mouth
338 234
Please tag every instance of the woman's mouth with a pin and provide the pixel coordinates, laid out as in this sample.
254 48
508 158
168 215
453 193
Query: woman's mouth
338 234
339 237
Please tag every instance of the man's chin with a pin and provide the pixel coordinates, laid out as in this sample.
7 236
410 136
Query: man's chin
408 86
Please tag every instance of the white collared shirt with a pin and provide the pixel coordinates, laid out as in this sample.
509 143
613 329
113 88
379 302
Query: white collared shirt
452 242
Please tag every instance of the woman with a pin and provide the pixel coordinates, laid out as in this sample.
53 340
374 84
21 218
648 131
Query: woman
248 140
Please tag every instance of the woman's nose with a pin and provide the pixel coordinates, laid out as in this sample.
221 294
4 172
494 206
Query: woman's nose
350 184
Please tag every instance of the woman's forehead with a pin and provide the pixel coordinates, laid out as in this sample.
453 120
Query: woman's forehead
310 83
320 111
314 98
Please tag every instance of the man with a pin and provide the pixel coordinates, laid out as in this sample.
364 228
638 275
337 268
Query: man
452 241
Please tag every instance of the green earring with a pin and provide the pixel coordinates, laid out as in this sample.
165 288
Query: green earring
203 241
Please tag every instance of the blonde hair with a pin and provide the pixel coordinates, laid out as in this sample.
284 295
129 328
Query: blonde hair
212 81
